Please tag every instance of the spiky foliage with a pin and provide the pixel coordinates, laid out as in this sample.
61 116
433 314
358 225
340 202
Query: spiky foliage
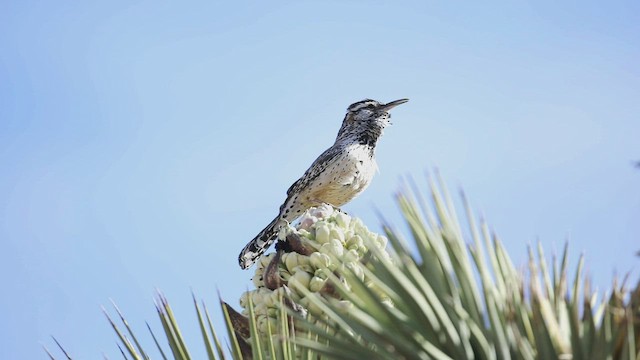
455 293
459 300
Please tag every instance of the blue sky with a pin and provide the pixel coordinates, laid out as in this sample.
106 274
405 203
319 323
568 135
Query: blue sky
142 144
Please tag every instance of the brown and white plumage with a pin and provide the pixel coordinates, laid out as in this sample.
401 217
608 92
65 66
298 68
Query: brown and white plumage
337 176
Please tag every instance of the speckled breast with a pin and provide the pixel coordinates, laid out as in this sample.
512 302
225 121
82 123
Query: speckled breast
347 176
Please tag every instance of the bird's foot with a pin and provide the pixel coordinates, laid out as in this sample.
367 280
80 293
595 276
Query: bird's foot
336 208
339 210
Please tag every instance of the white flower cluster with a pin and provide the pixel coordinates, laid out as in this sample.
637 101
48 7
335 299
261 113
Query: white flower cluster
334 242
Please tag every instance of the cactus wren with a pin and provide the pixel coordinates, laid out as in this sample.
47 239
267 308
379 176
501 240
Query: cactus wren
338 175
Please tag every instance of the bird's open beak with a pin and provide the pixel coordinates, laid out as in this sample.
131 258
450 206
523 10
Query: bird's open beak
393 104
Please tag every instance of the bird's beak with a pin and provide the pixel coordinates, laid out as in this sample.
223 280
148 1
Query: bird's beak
391 105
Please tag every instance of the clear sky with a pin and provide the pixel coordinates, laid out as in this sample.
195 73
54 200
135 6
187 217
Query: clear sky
143 143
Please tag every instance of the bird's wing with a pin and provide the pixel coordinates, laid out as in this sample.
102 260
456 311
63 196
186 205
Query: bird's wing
318 166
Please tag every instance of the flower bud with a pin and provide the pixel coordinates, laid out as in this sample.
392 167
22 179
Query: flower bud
291 261
336 233
350 256
355 243
319 260
381 241
322 234
316 284
300 278
257 280
342 220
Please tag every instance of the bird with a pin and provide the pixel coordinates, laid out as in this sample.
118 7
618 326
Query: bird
337 176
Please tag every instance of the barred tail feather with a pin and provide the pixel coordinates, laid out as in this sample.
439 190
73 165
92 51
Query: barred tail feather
256 247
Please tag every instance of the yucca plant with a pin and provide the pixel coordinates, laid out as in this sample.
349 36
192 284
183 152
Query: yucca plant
440 310
444 295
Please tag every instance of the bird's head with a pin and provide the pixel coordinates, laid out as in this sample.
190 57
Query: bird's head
367 117
371 110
